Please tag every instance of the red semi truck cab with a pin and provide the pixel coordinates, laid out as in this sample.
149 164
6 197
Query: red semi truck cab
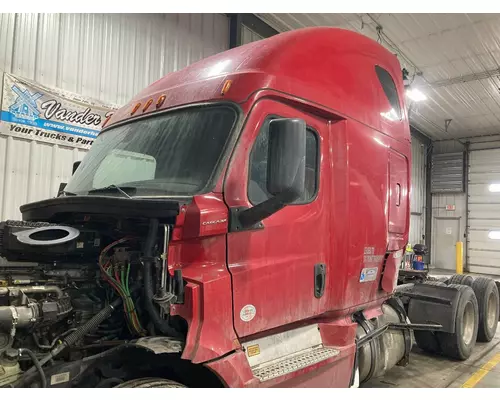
291 159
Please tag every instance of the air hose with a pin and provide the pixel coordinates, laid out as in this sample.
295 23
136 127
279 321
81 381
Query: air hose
148 262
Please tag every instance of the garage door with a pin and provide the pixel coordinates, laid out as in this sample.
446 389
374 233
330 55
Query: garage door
484 212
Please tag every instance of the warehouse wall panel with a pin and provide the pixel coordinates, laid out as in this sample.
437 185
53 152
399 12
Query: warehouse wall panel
418 191
107 57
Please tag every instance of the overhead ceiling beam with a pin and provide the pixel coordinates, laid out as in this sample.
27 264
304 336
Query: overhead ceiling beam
466 78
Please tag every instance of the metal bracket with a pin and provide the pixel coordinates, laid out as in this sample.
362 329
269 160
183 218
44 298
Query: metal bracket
397 305
235 224
374 350
447 123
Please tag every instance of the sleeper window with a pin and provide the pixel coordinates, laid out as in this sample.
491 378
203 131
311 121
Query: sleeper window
257 185
390 91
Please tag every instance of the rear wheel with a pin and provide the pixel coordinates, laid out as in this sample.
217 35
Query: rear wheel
458 279
459 344
150 383
488 301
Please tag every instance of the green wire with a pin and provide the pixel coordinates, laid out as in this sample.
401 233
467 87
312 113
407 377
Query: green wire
126 279
122 275
124 292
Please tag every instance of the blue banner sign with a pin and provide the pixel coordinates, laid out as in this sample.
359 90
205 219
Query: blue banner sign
32 111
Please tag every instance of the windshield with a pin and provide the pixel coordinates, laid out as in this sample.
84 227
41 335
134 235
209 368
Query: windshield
171 154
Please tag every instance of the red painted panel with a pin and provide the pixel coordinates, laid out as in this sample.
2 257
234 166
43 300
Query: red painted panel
273 268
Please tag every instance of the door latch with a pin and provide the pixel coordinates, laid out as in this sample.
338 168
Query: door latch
319 280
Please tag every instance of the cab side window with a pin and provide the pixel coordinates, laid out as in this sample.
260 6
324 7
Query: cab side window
257 185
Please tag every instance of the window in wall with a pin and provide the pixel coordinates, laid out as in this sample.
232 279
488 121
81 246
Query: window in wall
494 187
257 185
494 235
391 93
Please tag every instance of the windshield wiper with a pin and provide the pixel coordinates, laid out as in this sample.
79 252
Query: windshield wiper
115 187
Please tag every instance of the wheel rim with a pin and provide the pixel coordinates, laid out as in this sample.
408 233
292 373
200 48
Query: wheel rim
468 324
492 311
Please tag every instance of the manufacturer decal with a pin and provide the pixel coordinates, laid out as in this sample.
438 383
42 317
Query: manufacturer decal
253 350
247 313
369 256
368 274
217 221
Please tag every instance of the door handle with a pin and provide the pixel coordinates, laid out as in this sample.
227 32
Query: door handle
319 280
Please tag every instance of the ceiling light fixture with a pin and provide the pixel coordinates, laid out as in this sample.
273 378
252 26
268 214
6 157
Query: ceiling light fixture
415 95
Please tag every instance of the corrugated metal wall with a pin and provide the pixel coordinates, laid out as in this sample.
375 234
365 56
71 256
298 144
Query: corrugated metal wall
108 57
418 191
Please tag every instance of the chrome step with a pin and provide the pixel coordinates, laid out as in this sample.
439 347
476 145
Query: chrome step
286 365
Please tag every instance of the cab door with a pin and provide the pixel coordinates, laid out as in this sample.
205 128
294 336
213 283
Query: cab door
280 269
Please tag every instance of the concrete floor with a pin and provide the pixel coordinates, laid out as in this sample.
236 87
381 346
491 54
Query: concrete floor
481 370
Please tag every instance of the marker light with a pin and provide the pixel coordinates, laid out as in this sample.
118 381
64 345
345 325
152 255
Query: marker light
135 108
415 95
226 87
146 106
160 101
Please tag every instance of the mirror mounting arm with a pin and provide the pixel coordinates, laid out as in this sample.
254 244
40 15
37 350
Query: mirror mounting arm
251 218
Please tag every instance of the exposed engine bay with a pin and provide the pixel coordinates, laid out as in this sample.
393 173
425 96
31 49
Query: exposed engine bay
79 282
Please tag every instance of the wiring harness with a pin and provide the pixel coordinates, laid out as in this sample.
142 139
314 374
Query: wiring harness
117 275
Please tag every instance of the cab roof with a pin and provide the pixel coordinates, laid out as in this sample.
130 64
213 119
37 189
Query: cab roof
332 67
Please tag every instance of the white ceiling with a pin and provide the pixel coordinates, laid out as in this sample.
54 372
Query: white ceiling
453 58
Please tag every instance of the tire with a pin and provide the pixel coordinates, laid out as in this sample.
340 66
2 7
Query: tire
150 383
498 287
443 280
489 304
456 279
427 341
459 345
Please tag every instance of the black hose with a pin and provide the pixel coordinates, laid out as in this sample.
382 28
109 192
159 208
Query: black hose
159 323
90 325
36 364
49 346
72 338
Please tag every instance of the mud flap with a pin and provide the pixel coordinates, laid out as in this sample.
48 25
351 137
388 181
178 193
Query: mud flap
433 305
